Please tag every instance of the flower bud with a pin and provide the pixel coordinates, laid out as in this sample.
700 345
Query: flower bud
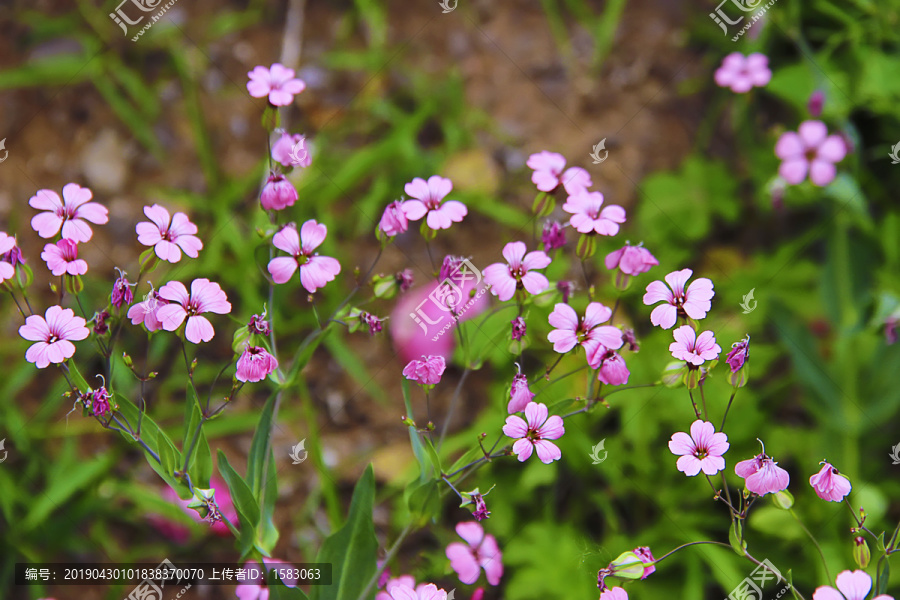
783 499
627 565
278 193
861 553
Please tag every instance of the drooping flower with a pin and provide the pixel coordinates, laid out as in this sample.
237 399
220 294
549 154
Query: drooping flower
393 220
145 312
427 371
816 103
589 215
62 258
646 557
693 348
405 279
481 512
255 364
7 245
479 552
693 302
553 236
315 270
851 585
277 82
518 328
631 260
738 354
121 294
611 365
70 213
519 394
101 327
616 593
168 236
422 592
702 449
256 588
534 433
565 288
278 193
518 273
587 331
100 402
762 475
205 296
259 325
549 174
830 484
291 151
428 200
810 151
54 334
742 73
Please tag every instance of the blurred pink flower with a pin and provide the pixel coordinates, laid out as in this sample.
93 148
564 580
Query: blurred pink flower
533 433
257 588
611 365
587 331
315 270
829 484
205 296
70 213
168 236
742 73
548 173
255 364
762 475
121 294
851 585
816 103
479 552
54 333
518 273
631 260
403 580
278 193
690 347
428 200
276 82
283 151
427 371
643 552
519 394
422 592
553 236
62 258
703 449
518 328
693 302
145 312
177 532
587 215
615 593
809 151
393 220
7 269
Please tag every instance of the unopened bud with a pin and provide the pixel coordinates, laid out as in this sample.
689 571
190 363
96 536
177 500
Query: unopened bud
861 553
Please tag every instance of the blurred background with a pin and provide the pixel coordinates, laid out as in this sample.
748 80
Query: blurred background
401 89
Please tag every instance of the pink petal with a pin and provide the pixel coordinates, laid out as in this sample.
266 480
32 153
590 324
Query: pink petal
93 212
76 230
171 316
462 561
34 329
582 223
827 593
545 181
438 220
46 224
563 317
503 285
609 336
181 225
833 149
417 189
471 531
438 187
74 195
712 464
821 173
159 215
514 252
576 180
657 291
746 468
282 268
681 444
515 426
148 233
280 97
168 251
535 283
37 354
594 314
812 133
547 451
45 200
288 240
453 210
523 449
793 170
664 316
702 432
789 146
198 329
553 428
191 245
318 271
677 279
689 465
546 161
413 209
312 235
535 414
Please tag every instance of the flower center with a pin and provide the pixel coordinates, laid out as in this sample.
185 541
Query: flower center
701 453
53 338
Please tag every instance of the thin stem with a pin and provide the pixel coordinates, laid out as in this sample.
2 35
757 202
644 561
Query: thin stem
19 306
703 399
453 400
725 416
719 495
815 543
694 404
681 547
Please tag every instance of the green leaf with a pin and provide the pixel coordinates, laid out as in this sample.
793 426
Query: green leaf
77 377
734 538
257 454
282 592
168 454
353 549
425 500
414 439
77 477
267 535
432 454
244 503
203 467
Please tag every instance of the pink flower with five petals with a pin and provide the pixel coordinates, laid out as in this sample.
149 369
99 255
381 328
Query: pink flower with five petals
518 273
479 552
548 173
315 270
587 331
205 297
62 258
851 585
54 333
693 348
277 82
693 302
428 200
69 213
589 215
742 73
703 449
534 433
809 151
168 236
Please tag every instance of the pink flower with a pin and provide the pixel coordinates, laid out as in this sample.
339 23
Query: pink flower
643 552
690 347
612 368
276 82
177 532
534 432
587 331
816 103
615 593
256 588
829 483
742 73
121 294
404 580
518 273
479 552
283 151
693 302
427 371
7 244
703 449
205 297
422 592
428 201
853 585
278 193
519 394
393 221
54 333
315 270
518 328
553 236
99 402
548 173
62 258
168 236
738 354
255 364
587 216
809 151
631 260
145 312
762 475
70 214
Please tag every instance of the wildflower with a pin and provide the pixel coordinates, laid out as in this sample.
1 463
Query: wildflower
205 297
374 323
405 279
587 331
703 449
393 221
851 585
7 257
479 552
256 588
175 531
553 236
255 364
145 312
69 213
631 260
628 338
612 368
587 216
291 151
100 324
518 273
315 270
816 103
742 73
428 200
616 593
121 294
762 475
643 552
427 371
99 402
259 325
278 193
168 236
450 266
519 394
548 173
277 82
693 302
518 328
62 258
422 592
54 334
565 288
534 433
403 580
829 484
738 354
481 512
694 349
809 151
